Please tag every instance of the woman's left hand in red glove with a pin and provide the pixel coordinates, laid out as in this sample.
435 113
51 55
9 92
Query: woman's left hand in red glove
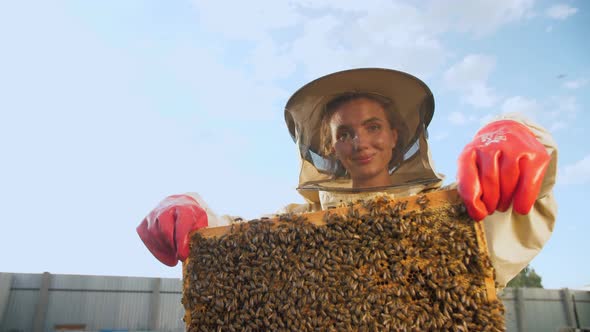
503 165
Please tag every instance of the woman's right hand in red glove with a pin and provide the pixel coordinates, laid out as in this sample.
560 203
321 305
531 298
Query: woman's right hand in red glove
165 231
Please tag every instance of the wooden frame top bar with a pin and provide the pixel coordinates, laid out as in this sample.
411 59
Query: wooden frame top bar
435 199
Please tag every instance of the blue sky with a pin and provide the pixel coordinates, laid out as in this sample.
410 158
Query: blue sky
109 106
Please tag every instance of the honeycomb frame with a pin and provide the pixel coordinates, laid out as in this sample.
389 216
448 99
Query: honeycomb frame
415 263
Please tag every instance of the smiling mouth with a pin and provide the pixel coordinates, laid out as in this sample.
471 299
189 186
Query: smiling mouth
363 159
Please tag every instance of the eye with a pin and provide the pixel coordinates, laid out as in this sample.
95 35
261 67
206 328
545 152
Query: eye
343 136
373 127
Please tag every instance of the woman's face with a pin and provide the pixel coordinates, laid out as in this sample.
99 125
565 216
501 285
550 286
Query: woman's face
363 141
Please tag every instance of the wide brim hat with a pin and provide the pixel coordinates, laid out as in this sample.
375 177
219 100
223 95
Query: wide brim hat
411 98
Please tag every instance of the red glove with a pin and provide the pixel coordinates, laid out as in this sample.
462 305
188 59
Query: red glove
165 231
504 164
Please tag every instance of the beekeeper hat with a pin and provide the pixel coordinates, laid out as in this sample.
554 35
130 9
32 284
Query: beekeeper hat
411 100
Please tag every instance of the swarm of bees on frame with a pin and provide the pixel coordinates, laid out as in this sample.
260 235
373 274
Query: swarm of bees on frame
385 269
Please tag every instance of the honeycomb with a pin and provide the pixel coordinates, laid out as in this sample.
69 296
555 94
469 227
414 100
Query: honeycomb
375 266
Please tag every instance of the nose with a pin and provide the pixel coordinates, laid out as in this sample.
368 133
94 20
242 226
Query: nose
359 141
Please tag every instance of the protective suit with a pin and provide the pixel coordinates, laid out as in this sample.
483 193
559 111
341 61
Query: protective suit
513 239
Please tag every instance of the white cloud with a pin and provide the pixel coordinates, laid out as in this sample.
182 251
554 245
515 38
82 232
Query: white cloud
575 84
555 113
480 95
318 37
459 119
560 11
469 77
560 112
484 120
479 17
576 173
517 104
473 68
563 108
384 34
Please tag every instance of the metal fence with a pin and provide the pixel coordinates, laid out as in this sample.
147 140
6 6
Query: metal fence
46 302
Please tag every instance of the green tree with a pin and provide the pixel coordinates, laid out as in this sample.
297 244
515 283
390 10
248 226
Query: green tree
526 278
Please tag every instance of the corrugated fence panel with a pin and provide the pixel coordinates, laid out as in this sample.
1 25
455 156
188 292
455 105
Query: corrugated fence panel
144 304
98 310
99 302
171 285
26 280
583 308
5 286
544 310
60 281
171 312
509 302
20 310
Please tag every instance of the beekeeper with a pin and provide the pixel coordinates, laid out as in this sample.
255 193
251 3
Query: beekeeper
362 133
